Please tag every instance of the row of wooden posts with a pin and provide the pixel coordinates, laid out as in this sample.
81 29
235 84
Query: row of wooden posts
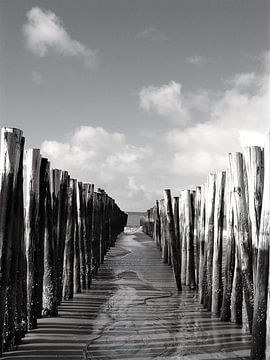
216 238
54 233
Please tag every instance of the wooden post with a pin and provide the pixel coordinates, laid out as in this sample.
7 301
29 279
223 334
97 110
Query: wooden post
148 223
197 215
260 327
189 234
237 289
41 228
101 195
32 167
55 196
209 239
91 222
77 263
109 225
11 238
230 253
68 263
81 231
176 263
254 161
21 298
63 207
164 240
49 283
218 238
182 227
201 245
95 238
242 234
98 229
176 224
86 235
157 225
105 227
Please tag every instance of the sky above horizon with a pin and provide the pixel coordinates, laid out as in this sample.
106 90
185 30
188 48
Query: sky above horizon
136 96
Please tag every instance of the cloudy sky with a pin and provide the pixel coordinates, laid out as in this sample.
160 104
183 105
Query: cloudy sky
136 95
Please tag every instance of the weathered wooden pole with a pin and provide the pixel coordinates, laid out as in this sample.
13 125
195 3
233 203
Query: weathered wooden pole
189 238
260 345
152 221
63 207
175 248
182 229
49 304
81 232
176 224
243 238
101 193
201 245
164 239
68 263
55 195
225 314
77 263
110 222
237 288
87 193
157 225
209 239
254 161
237 285
13 331
21 298
197 214
105 228
41 229
96 228
218 238
90 209
32 172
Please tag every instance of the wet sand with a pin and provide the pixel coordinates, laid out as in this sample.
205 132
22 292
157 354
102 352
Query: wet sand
134 312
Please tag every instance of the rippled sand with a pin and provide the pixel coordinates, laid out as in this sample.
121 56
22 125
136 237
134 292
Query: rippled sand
134 312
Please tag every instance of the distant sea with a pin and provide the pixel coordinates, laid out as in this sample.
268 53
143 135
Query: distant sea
134 218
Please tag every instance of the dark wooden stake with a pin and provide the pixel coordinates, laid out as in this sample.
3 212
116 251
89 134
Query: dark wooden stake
12 236
209 239
49 283
174 244
225 314
68 263
243 238
218 238
260 347
202 246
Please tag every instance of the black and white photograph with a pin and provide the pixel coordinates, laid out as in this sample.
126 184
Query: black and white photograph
135 179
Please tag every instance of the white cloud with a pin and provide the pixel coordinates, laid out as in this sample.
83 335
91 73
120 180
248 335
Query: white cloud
198 162
184 155
151 33
237 117
170 102
196 60
243 108
251 138
165 100
44 32
92 154
247 82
